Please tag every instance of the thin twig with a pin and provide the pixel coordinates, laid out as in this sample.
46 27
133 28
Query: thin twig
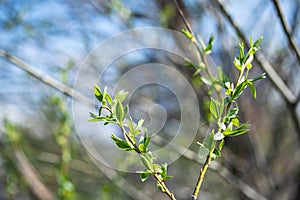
195 42
110 173
158 178
201 176
287 29
215 167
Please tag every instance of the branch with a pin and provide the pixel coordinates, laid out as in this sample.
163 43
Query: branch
195 42
215 167
31 176
122 183
287 29
261 59
276 80
45 78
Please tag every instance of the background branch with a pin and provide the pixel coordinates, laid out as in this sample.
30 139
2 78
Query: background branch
287 29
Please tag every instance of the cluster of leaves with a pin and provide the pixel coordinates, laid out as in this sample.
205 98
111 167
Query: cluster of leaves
224 111
135 137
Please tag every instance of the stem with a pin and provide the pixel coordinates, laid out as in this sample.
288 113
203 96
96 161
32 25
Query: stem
137 150
196 43
130 139
164 187
201 175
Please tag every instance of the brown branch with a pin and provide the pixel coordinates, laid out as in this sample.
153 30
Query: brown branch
287 29
45 78
31 176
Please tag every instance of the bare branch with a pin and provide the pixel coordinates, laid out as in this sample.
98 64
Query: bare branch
287 29
31 176
45 78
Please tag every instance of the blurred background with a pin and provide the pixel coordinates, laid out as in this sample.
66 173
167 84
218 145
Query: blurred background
42 46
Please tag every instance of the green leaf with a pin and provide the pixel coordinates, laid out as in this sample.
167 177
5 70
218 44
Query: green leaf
209 141
98 93
126 110
239 90
238 131
217 152
235 122
100 109
142 148
232 113
223 78
97 119
144 176
93 115
119 111
164 170
262 76
252 89
168 177
187 33
213 108
146 141
130 124
221 144
139 124
147 161
159 186
257 42
121 96
237 63
242 55
121 143
104 93
203 151
108 98
208 48
157 168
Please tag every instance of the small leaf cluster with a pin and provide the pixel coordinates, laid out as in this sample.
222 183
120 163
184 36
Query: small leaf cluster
135 137
225 111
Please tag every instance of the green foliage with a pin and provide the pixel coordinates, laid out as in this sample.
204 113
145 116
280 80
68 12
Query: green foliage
135 137
224 112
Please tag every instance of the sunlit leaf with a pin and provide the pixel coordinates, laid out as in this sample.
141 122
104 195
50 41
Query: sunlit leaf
121 143
147 162
209 141
213 108
144 176
119 111
98 93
